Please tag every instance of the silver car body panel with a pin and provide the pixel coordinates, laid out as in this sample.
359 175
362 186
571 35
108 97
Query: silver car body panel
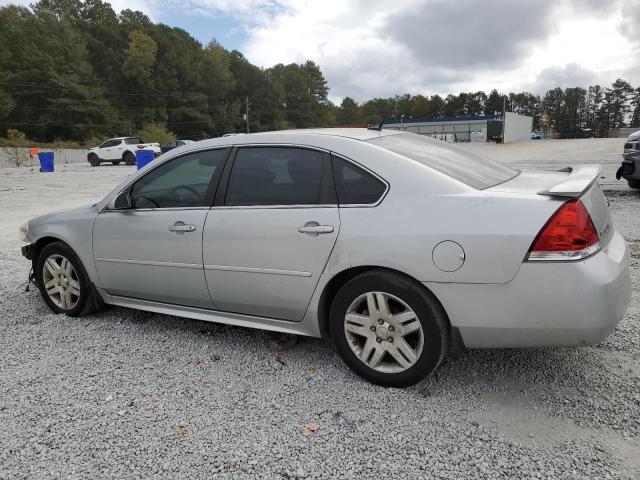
258 263
137 255
495 298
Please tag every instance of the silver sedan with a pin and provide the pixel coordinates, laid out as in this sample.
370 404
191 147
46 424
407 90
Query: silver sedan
399 247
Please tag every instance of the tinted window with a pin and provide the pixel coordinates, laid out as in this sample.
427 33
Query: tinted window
133 141
354 185
275 176
110 143
182 182
474 170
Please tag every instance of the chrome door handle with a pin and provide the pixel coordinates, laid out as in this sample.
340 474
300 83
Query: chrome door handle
314 228
181 227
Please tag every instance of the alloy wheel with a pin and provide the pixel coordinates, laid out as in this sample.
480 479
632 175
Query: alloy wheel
383 332
61 282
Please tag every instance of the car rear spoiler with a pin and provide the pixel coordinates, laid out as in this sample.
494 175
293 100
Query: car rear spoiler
578 181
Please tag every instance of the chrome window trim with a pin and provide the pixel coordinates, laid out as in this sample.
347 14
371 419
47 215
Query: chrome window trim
280 144
167 209
266 207
374 174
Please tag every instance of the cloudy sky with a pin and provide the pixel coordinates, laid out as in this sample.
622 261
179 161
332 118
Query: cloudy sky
370 48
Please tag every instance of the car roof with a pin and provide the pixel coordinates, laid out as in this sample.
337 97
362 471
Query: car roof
310 136
353 133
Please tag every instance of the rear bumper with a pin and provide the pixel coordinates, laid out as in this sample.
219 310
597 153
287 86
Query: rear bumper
546 304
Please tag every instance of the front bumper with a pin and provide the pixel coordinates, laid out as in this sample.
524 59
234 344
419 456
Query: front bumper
28 251
630 167
546 304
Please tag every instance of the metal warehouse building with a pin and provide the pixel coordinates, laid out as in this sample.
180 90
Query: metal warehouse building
465 129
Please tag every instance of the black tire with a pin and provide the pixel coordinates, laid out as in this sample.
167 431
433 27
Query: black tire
116 162
94 160
428 310
634 183
88 301
129 158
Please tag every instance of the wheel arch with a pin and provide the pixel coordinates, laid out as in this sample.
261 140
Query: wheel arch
341 278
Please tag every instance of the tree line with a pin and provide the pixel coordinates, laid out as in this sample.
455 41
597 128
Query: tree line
77 70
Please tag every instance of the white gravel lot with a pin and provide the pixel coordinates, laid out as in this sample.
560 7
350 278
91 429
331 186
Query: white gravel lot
127 394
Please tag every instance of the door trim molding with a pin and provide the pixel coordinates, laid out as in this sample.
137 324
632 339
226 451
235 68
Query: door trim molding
271 271
149 262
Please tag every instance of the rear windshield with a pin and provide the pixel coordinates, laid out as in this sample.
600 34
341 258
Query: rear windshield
475 170
133 140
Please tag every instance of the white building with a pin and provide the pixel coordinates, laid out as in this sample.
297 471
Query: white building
464 129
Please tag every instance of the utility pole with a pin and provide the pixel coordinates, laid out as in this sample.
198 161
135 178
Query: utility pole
247 112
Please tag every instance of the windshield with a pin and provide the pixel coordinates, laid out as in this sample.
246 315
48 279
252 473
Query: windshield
472 169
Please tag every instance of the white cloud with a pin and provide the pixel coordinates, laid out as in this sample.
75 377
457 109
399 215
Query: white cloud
370 48
376 48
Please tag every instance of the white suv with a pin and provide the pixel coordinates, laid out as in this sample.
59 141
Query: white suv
121 149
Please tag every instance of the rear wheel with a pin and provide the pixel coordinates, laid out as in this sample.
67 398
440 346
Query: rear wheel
63 282
94 160
129 158
388 329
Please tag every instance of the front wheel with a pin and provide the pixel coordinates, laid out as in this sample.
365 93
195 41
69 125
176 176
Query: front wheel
63 282
634 183
94 160
388 329
129 158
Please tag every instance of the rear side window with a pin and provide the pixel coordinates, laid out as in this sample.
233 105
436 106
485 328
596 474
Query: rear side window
276 176
472 169
354 185
133 141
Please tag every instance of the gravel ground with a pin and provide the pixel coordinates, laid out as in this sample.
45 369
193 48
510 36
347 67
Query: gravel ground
127 394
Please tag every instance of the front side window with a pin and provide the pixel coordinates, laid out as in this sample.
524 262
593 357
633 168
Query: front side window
181 182
110 143
276 176
354 185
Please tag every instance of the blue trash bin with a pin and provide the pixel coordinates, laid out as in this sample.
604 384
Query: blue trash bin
46 161
143 157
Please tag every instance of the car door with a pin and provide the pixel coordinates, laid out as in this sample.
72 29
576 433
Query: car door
270 233
114 152
153 250
105 149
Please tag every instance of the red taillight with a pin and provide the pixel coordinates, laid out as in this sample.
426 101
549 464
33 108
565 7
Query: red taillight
568 235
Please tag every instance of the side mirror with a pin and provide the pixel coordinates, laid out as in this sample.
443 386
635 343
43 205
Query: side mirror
121 202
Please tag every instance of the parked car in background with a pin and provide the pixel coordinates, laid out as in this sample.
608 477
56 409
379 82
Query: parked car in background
536 136
630 168
175 144
120 149
577 133
634 136
396 246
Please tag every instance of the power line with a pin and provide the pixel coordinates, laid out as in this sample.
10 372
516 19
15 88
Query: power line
92 124
96 108
147 94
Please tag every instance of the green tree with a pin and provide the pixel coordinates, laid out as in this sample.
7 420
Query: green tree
494 103
156 133
348 113
635 105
